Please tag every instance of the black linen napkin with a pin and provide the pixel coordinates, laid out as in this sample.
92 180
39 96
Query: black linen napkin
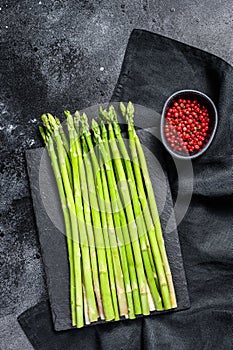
153 68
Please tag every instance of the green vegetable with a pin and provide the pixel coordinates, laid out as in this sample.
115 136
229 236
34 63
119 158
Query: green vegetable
139 162
114 219
87 217
89 289
99 239
117 257
132 225
50 147
71 205
129 186
87 140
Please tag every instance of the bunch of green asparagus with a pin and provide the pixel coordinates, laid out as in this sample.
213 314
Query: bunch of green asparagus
117 257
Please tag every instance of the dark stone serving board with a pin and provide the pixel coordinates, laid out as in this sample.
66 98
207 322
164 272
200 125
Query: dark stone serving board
53 242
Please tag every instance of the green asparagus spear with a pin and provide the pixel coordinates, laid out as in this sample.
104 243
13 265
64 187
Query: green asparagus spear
137 214
88 284
109 230
139 161
133 298
87 215
111 117
54 162
75 234
114 232
99 239
132 225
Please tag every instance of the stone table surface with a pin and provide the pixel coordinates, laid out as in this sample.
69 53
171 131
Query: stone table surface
63 54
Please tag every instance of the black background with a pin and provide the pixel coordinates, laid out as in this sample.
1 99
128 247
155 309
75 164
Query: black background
51 54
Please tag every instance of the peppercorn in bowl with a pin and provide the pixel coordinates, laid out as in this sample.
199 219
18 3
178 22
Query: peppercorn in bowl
188 123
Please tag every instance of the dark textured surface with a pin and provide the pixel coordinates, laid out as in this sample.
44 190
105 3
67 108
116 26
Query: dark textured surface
53 242
51 54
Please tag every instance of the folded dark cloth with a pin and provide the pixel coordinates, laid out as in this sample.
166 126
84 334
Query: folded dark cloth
153 68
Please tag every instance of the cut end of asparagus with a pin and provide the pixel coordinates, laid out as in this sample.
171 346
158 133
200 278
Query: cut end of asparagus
150 299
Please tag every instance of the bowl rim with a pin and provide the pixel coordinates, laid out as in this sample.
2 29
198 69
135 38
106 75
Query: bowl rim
173 153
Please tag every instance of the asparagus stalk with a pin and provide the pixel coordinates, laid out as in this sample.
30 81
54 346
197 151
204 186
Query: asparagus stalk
99 239
54 162
130 259
114 218
123 235
139 161
132 225
137 213
87 216
124 290
152 262
114 233
75 234
109 231
114 203
88 283
111 117
109 259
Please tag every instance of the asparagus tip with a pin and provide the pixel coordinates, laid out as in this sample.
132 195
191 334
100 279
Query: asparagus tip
51 120
44 119
42 132
123 109
112 113
77 115
84 123
130 109
77 121
67 114
95 128
103 113
70 122
94 124
46 123
57 120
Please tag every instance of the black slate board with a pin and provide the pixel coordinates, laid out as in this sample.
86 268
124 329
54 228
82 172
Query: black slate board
53 242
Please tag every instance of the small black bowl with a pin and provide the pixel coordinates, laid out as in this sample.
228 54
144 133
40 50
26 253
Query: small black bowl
203 100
